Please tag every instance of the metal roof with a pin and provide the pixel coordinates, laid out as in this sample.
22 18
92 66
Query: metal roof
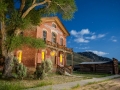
102 62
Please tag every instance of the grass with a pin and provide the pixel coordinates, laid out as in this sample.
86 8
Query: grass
76 86
10 86
90 75
51 79
44 84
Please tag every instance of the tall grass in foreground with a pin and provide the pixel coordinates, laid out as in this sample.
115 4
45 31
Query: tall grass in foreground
10 86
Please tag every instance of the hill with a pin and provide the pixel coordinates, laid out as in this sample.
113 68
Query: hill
94 57
77 58
85 57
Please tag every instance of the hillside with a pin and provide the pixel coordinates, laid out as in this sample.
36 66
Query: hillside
85 57
77 59
94 57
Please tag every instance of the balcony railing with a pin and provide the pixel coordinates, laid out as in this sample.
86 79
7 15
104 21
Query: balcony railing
58 46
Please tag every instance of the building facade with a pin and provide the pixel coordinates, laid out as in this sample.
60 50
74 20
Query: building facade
53 32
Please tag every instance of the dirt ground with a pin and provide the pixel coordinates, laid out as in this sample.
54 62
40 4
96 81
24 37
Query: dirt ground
113 84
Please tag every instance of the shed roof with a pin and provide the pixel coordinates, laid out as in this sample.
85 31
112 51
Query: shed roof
102 62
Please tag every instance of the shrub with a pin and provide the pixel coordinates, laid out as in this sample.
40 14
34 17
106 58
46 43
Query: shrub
19 70
43 69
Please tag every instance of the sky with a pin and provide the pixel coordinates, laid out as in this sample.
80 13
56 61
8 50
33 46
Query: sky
95 27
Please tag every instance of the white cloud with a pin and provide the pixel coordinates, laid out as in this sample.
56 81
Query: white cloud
92 37
84 36
81 40
113 38
73 32
101 35
84 31
84 48
100 53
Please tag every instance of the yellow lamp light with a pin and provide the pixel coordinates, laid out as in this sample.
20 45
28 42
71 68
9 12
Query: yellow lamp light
60 58
52 53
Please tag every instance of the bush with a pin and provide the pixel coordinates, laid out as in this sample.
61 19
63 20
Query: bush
19 70
43 69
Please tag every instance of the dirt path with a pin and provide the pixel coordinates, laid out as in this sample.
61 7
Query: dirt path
113 84
69 85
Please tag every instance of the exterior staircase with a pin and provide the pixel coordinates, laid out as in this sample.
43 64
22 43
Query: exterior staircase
64 69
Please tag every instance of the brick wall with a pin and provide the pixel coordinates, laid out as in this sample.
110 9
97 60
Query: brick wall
47 26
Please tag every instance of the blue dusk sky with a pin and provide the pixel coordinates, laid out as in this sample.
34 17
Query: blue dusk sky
95 27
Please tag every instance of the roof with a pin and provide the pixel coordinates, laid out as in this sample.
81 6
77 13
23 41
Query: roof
102 62
57 20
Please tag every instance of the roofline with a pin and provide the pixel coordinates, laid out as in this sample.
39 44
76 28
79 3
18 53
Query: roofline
59 23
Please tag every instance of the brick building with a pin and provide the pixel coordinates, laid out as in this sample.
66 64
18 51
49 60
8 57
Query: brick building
54 33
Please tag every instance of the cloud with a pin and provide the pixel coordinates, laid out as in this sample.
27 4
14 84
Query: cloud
84 36
73 32
84 48
81 40
92 37
101 35
84 31
100 53
113 39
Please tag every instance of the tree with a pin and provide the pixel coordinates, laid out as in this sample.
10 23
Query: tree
17 15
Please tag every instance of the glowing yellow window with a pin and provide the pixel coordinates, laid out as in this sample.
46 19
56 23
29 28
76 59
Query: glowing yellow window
60 58
43 55
19 56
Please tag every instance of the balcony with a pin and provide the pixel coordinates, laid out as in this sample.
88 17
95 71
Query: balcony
56 45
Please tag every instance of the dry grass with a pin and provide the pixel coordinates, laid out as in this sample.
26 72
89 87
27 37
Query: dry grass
49 80
113 84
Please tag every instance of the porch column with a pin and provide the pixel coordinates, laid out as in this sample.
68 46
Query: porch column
72 59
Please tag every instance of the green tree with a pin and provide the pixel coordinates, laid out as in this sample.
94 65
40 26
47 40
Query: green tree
17 15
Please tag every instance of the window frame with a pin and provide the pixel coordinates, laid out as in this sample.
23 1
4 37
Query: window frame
44 36
54 37
54 25
61 41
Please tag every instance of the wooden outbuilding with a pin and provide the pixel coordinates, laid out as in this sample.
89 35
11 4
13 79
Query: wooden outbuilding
100 67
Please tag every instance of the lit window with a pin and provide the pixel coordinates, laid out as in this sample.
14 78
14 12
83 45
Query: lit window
53 37
61 41
53 25
44 35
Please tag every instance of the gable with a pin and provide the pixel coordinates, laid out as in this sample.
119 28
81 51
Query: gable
57 21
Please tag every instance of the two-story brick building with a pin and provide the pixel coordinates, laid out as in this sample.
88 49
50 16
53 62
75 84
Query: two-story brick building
54 33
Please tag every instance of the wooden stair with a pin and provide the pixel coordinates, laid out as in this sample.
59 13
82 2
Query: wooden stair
62 70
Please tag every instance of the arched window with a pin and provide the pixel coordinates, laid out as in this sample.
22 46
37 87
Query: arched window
54 25
44 35
54 37
61 41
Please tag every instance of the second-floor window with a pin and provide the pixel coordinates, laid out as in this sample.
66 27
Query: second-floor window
44 35
53 25
61 41
54 37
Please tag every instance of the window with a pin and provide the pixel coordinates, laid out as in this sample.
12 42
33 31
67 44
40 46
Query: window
54 25
44 35
21 33
53 37
61 41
